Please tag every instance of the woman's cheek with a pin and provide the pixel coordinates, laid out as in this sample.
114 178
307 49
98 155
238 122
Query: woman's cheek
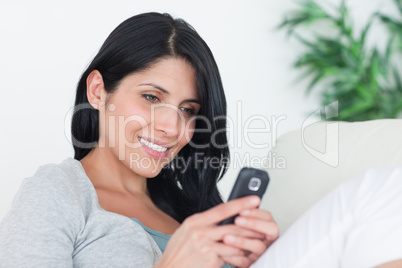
190 129
136 123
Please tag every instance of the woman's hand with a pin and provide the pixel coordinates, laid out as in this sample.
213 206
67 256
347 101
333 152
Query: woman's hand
256 220
198 241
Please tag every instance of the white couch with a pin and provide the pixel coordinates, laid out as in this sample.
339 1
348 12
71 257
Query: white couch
315 159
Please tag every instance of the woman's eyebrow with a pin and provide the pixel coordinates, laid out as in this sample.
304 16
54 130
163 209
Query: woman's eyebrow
157 87
193 100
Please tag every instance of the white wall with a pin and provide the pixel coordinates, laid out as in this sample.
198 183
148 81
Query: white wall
45 45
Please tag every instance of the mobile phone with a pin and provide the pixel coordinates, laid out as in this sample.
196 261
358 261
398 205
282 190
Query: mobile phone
250 181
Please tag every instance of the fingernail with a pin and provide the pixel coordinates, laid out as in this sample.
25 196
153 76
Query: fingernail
245 212
254 200
240 221
230 239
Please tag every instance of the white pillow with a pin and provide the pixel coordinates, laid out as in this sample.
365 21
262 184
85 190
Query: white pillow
307 163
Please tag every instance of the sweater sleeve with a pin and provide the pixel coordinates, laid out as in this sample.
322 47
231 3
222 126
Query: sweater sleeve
40 228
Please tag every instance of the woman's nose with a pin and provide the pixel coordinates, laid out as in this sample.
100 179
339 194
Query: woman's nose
168 120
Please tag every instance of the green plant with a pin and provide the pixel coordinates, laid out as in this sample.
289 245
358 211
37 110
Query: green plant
363 80
394 24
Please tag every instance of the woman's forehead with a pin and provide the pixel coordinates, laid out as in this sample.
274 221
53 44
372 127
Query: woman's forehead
170 76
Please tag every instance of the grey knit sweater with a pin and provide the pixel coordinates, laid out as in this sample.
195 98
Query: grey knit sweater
56 221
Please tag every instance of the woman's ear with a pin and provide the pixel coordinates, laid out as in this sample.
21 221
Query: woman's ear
96 93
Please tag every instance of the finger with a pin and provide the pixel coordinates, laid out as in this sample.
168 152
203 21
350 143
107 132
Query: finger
223 250
197 260
239 261
224 211
204 236
258 214
270 228
255 246
217 233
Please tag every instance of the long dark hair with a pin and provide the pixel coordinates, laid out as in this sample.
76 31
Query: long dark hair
133 46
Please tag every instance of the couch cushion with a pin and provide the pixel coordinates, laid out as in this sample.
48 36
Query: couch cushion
307 163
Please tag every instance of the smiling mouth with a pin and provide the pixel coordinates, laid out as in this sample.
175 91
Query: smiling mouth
153 146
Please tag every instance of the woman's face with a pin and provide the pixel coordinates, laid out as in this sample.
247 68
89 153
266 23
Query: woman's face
151 116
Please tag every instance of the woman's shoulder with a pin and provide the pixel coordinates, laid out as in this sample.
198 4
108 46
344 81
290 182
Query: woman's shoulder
65 183
68 168
67 176
46 216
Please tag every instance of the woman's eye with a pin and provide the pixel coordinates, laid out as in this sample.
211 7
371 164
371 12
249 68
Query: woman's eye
188 111
150 97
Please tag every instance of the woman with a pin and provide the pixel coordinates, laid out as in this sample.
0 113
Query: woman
146 144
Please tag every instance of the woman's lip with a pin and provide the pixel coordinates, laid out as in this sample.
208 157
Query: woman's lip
153 153
158 142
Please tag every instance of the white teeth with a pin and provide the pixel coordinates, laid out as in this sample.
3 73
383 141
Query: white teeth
153 146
